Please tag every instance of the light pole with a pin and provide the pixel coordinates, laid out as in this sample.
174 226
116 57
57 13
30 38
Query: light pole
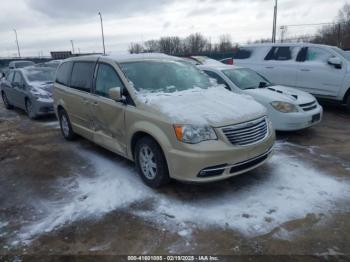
283 32
71 41
19 52
103 36
274 28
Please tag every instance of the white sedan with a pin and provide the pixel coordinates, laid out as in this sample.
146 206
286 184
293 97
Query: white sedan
289 109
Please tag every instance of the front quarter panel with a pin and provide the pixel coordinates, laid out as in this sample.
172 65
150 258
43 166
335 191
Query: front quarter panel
138 120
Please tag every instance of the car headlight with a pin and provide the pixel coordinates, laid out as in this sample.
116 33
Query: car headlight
192 134
43 96
284 107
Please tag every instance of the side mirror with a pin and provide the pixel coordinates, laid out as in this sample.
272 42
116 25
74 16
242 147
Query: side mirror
115 93
336 62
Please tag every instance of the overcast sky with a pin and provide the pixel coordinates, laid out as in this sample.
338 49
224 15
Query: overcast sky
45 25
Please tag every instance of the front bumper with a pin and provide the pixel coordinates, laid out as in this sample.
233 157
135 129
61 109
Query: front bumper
217 160
295 121
43 107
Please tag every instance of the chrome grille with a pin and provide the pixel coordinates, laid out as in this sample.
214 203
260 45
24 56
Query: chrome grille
309 106
247 133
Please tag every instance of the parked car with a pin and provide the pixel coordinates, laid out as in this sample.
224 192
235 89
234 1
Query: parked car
20 64
162 113
289 109
30 89
321 70
53 64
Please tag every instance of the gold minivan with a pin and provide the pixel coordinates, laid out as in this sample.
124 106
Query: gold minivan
164 114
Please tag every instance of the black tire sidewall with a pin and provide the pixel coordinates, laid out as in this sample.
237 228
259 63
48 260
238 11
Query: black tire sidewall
5 100
348 103
31 115
162 176
71 134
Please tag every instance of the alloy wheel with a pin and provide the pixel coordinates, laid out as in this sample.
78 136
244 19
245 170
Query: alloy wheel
148 162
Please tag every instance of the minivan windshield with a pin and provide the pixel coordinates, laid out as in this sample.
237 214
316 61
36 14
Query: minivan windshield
246 78
164 76
342 53
37 74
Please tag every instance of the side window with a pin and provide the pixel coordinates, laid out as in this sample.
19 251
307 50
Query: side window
283 53
63 73
217 78
106 79
315 54
9 77
82 75
243 53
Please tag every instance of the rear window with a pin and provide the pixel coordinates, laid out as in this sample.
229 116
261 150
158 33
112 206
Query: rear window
243 53
63 73
82 75
283 53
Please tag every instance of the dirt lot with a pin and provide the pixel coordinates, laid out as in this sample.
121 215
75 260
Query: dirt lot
74 198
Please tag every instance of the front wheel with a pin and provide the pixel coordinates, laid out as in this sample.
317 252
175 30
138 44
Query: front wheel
151 163
66 127
30 110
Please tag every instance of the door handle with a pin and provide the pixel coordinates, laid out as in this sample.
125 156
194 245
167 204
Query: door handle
95 103
269 67
305 70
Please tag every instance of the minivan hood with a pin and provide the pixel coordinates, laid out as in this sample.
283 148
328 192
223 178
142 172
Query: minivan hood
215 106
280 93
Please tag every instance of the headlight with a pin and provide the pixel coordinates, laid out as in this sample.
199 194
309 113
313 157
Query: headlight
194 134
43 96
284 107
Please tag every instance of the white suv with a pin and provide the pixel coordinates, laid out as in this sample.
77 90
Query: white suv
321 70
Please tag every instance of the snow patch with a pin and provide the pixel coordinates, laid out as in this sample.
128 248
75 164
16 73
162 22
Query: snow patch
115 186
288 189
291 190
204 106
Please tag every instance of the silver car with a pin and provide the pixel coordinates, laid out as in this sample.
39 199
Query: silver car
30 89
20 64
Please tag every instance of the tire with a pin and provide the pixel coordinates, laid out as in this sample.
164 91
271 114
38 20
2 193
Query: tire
348 103
6 101
66 126
29 109
151 163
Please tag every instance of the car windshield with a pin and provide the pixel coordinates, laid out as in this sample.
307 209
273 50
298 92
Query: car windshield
23 64
246 78
343 53
164 76
40 74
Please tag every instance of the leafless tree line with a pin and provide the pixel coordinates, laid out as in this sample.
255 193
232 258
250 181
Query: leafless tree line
191 45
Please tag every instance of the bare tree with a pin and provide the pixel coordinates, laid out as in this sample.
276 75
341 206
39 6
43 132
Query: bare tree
337 34
225 44
152 46
195 43
136 48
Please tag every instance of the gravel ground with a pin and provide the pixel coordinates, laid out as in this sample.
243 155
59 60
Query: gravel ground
75 198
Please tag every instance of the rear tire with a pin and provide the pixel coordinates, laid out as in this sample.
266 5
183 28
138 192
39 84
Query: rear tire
29 109
6 101
66 126
151 163
348 103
